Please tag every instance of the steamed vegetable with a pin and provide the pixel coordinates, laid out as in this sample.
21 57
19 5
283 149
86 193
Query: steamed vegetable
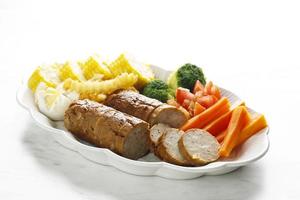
240 118
207 116
220 124
126 64
235 134
93 66
46 75
221 136
185 77
256 124
70 70
157 89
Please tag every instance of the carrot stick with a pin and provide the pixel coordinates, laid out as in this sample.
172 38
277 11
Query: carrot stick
236 104
220 137
256 124
220 124
210 114
239 119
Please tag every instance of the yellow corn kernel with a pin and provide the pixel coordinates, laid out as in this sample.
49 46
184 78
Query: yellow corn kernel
36 78
123 64
66 71
94 66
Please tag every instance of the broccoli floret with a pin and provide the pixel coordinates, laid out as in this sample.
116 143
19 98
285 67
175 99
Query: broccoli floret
186 76
157 89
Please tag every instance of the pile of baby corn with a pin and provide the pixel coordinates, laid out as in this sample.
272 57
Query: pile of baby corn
94 78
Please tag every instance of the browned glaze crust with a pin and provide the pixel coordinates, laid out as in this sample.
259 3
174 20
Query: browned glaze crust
106 127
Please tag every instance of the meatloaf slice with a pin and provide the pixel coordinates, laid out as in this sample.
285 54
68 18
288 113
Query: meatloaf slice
106 127
199 147
168 114
168 147
156 132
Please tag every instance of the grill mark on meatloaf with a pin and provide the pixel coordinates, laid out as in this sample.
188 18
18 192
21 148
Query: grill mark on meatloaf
133 103
136 97
105 136
103 112
147 109
107 127
119 124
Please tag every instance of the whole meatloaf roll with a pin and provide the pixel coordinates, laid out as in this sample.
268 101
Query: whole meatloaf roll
145 108
133 103
108 128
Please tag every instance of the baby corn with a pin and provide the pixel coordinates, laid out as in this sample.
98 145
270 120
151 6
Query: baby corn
36 78
123 64
66 71
94 66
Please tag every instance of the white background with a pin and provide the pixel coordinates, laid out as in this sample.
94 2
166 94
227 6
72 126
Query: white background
249 47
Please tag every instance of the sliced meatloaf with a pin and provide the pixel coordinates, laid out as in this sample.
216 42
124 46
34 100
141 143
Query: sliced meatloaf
156 132
198 147
168 149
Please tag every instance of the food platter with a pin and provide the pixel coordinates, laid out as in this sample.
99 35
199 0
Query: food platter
253 149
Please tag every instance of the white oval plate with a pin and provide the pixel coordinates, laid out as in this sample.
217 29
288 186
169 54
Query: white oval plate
252 150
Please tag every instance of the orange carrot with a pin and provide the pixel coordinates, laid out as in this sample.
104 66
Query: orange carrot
220 137
239 119
210 114
236 104
220 124
198 108
256 124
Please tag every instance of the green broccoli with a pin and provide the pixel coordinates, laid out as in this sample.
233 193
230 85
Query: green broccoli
185 77
157 89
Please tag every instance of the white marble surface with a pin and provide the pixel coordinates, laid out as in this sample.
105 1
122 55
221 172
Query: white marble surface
252 48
